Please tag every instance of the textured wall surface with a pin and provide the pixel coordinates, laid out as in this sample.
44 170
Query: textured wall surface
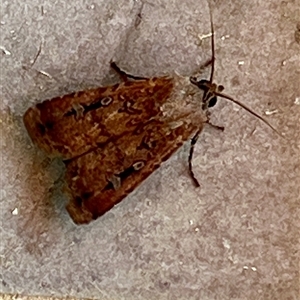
237 237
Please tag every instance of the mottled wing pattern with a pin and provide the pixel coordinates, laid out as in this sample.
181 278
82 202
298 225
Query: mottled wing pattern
101 178
74 124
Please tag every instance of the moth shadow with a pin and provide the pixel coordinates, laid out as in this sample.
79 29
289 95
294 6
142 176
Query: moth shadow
36 182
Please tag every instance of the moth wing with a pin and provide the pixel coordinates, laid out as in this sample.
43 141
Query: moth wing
74 124
101 178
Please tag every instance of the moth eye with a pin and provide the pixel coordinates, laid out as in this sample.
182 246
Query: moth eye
106 101
138 165
212 102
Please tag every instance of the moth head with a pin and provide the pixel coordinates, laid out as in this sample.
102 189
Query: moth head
209 91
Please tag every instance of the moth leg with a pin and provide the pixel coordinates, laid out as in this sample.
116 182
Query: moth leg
206 64
216 126
193 142
124 76
213 125
201 69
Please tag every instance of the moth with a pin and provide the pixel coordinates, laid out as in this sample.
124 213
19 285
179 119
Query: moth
112 138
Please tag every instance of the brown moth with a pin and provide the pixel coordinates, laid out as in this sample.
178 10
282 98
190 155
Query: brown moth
112 138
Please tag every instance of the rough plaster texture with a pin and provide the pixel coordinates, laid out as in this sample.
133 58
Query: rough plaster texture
237 237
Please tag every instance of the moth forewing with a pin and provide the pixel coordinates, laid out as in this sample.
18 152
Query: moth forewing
72 125
90 179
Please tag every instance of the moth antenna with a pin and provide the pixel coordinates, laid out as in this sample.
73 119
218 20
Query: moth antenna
212 46
193 142
124 76
247 109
